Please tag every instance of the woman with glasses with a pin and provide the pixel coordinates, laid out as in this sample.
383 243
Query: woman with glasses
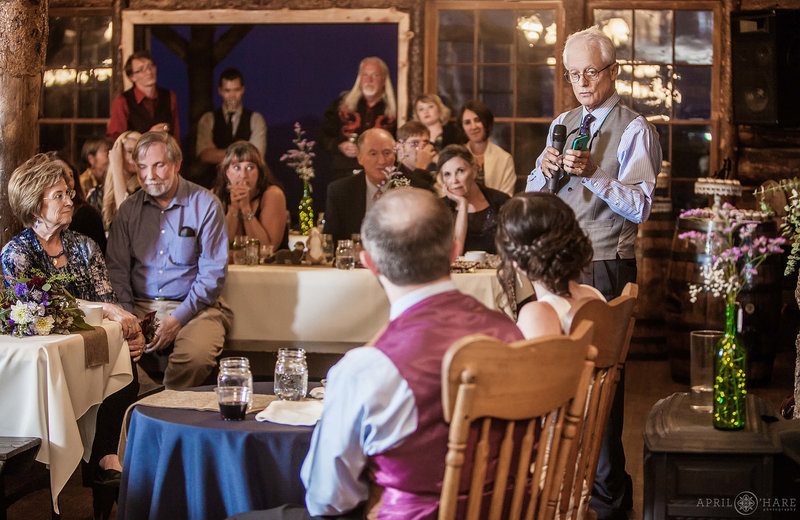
495 165
42 200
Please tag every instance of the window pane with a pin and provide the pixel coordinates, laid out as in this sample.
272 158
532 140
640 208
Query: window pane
529 141
616 24
61 43
93 93
653 38
95 41
624 84
58 91
536 37
455 85
663 139
692 88
694 31
494 89
652 90
684 197
85 132
535 88
495 36
690 150
54 138
456 30
501 135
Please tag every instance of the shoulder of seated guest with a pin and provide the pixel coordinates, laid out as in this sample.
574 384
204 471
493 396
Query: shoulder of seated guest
538 318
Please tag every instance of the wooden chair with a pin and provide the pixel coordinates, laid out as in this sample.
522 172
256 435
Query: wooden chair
613 329
535 385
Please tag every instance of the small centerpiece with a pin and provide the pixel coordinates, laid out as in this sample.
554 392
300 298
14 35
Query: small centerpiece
394 178
38 306
736 252
301 160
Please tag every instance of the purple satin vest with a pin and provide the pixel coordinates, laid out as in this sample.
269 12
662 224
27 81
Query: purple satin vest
416 341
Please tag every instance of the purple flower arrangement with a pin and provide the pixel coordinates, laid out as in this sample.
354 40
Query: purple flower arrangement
301 158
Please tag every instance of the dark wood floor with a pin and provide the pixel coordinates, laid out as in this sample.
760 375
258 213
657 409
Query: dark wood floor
647 381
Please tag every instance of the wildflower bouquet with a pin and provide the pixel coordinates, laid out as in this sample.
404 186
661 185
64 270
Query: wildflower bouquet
394 178
39 306
736 251
301 158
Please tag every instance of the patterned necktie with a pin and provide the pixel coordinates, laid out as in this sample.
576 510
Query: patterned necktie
587 121
229 124
378 194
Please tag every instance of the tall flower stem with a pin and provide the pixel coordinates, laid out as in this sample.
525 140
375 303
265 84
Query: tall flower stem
306 208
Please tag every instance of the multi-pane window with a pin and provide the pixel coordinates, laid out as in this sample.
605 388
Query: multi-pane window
76 85
667 64
506 57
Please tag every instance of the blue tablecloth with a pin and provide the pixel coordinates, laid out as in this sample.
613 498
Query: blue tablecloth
190 464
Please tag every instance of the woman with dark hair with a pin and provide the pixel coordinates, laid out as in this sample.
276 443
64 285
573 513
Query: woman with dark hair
253 200
495 165
435 115
475 207
538 235
85 218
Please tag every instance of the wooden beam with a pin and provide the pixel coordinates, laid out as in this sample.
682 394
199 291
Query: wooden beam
23 45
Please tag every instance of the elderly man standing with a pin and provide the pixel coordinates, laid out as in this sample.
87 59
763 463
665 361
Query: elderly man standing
381 443
351 197
611 159
145 106
168 252
369 104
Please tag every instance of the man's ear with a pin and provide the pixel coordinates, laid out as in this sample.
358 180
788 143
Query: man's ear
455 250
368 262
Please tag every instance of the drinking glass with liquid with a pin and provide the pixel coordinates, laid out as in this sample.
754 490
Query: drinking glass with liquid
291 374
234 387
345 258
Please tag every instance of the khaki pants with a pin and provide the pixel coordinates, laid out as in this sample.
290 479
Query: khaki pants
198 343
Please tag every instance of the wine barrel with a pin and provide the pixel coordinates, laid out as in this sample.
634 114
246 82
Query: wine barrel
760 299
653 244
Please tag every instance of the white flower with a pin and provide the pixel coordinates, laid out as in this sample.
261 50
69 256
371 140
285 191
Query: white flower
20 313
42 325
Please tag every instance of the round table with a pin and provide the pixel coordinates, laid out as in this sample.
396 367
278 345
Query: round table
191 464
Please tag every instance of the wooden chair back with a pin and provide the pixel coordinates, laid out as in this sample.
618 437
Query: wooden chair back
535 386
613 329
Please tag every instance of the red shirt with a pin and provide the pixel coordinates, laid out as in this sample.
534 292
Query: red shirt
119 114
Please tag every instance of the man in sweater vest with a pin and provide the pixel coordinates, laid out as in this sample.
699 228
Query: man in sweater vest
380 446
145 106
229 123
607 173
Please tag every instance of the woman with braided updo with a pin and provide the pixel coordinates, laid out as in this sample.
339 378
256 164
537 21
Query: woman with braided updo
538 234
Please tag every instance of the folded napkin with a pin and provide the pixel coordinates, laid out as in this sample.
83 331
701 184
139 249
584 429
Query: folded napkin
199 400
293 413
95 345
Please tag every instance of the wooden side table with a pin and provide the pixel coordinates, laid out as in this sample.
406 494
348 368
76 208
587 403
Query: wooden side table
16 455
693 470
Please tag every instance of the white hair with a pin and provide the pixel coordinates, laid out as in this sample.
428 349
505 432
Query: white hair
351 99
590 37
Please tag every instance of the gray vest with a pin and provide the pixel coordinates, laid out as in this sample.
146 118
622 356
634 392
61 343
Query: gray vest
611 233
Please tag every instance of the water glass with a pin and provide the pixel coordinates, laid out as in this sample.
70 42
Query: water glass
703 345
357 247
327 247
252 251
344 255
239 250
234 387
291 374
265 251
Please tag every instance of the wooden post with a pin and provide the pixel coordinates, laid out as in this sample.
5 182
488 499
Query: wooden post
23 43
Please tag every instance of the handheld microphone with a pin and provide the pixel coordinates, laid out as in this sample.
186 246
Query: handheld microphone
559 140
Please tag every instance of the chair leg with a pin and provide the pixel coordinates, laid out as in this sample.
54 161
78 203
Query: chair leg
103 498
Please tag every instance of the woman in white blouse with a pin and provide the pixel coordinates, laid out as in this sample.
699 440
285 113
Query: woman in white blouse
496 165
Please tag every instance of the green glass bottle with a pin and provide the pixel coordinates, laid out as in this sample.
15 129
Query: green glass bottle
730 376
306 208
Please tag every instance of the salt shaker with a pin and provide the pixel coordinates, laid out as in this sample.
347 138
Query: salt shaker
291 374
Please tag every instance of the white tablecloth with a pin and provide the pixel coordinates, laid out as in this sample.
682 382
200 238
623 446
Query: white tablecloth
318 308
46 391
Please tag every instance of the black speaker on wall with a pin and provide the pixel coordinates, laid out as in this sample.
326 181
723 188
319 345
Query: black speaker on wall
765 49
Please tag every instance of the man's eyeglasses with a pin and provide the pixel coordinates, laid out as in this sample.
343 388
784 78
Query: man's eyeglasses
59 196
589 74
149 66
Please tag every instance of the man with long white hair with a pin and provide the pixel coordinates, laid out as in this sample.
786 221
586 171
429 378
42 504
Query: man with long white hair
369 104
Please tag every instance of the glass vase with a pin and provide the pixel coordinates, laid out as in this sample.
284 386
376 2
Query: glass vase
306 208
730 376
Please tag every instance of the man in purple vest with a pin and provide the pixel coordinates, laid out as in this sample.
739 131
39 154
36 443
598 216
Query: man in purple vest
381 443
145 106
